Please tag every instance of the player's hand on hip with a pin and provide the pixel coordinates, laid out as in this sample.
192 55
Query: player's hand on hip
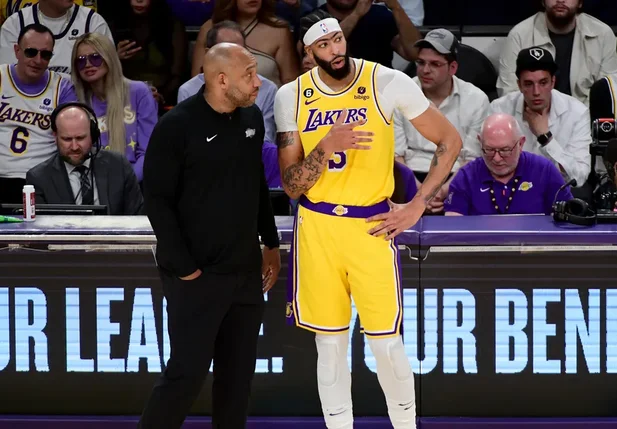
400 218
342 136
270 267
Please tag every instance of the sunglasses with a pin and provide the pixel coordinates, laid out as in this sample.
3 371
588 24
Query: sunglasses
33 52
95 59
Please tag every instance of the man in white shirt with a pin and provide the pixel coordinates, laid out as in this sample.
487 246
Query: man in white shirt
66 20
583 46
555 125
465 106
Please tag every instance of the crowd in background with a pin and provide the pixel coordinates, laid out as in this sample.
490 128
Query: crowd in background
133 60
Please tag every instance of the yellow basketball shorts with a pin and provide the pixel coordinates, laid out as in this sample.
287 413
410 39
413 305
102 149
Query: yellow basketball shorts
332 259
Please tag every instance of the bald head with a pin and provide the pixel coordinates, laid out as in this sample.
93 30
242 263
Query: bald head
502 142
223 57
230 74
73 136
500 126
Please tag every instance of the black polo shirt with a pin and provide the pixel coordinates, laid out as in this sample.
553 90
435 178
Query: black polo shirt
205 191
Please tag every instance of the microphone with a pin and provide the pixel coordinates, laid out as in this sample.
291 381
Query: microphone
572 182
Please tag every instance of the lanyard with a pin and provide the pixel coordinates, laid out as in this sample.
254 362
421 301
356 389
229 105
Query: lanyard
494 200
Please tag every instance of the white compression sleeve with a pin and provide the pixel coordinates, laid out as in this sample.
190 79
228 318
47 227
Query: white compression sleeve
396 379
334 380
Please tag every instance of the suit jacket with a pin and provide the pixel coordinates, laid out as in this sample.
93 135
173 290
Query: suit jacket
114 177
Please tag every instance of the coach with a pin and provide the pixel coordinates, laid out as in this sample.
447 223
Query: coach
207 200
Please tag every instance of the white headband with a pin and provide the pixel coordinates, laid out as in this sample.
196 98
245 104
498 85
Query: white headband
320 29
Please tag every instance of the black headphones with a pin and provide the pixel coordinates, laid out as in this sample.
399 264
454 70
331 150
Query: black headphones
575 211
95 133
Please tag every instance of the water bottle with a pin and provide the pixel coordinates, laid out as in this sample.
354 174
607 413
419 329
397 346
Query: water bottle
29 198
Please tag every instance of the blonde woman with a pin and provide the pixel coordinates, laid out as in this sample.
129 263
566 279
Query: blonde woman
125 108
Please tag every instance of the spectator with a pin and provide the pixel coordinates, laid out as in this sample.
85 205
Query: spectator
30 88
373 32
584 47
9 7
67 21
152 45
77 174
125 109
465 106
505 180
231 32
555 125
267 37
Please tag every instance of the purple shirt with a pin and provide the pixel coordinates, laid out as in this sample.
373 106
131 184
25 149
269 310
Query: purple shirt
140 117
404 182
269 156
536 180
67 90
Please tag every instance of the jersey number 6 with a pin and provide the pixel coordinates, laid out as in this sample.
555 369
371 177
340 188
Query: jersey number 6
337 162
19 140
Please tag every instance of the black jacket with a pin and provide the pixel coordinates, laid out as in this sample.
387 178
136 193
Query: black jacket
114 177
205 190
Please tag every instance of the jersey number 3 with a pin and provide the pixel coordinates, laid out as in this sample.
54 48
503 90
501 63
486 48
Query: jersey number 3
19 140
337 162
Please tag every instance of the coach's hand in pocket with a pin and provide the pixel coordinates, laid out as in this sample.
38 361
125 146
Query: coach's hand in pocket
193 276
270 267
398 219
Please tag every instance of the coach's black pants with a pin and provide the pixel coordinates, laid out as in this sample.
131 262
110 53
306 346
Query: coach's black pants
214 317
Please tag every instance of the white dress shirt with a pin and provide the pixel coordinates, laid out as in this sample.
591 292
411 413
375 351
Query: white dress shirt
594 52
75 181
569 123
466 108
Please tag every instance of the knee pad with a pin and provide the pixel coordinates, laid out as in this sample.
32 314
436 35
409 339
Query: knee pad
331 349
391 352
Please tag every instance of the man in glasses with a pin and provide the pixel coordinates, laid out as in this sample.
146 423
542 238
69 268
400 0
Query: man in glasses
28 94
555 125
505 180
65 19
465 106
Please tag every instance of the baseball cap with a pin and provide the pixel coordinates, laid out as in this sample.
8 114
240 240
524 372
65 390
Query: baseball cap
534 59
441 40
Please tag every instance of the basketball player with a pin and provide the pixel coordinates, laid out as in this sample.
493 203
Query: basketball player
66 20
336 152
28 94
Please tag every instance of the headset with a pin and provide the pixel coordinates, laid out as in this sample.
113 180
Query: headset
95 133
574 211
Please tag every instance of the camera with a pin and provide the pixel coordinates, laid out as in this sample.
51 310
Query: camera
602 130
604 145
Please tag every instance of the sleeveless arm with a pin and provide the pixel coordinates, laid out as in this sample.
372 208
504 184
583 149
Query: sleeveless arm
298 173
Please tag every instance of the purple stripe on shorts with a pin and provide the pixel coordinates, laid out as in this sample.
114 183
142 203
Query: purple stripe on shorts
361 212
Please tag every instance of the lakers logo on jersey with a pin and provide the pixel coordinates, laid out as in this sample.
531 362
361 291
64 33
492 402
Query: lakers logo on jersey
318 118
24 117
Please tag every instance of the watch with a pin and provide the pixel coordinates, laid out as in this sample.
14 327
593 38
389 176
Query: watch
543 139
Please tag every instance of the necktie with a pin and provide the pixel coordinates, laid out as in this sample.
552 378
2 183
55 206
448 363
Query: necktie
87 193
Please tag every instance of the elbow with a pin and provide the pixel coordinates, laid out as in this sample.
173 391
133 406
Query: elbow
293 194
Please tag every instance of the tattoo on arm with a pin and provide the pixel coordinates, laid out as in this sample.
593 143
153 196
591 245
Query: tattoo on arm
300 177
284 139
441 150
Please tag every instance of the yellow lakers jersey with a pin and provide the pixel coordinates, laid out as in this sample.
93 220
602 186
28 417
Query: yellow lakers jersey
354 177
9 7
